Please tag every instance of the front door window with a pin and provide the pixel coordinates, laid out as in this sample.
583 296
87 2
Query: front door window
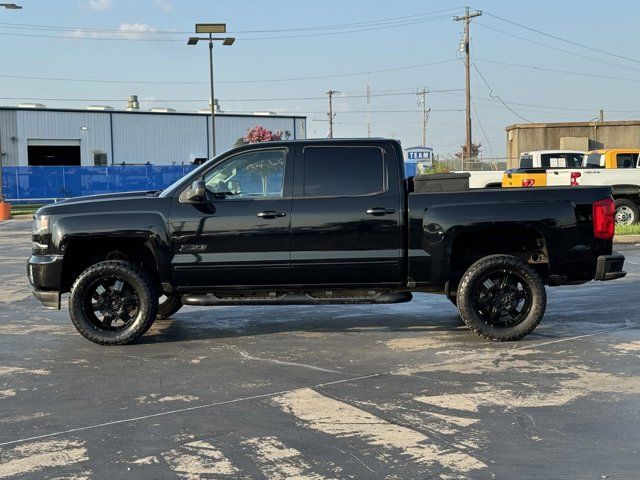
255 175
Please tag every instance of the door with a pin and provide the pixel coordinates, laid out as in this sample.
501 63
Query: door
240 235
347 216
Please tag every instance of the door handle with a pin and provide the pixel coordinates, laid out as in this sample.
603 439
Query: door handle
380 211
271 214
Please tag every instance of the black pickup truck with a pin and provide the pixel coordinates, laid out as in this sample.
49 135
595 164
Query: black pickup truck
318 222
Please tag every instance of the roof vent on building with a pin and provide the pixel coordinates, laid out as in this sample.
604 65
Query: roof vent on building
162 110
100 107
264 114
32 105
132 102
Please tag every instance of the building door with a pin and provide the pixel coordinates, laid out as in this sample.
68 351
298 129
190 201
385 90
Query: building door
53 152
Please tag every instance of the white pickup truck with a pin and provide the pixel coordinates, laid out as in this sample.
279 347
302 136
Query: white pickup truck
625 182
533 159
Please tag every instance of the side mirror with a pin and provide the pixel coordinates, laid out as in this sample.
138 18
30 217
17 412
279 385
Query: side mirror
195 193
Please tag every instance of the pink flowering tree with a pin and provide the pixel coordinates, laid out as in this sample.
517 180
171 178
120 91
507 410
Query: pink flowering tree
260 134
270 164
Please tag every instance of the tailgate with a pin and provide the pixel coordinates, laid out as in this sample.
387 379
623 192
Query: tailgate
560 177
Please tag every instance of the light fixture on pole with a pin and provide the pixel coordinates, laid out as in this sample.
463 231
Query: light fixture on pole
211 28
5 208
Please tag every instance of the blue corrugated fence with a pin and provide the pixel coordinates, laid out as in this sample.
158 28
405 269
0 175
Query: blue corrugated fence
23 184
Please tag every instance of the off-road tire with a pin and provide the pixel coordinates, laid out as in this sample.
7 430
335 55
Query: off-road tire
470 313
630 207
143 287
169 306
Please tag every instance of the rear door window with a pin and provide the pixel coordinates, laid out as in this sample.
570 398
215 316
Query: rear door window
343 171
626 160
574 160
594 160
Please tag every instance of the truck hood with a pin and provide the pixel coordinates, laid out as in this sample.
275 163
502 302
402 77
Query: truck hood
105 197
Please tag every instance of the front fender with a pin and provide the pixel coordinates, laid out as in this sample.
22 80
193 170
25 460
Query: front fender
149 227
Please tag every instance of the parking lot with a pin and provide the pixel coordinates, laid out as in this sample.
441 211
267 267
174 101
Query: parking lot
391 391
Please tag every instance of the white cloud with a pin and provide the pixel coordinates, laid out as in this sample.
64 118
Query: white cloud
125 30
99 4
164 5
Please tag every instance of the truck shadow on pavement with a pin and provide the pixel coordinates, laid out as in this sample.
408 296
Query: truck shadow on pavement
198 326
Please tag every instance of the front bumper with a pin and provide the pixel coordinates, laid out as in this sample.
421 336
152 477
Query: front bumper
609 267
50 299
45 274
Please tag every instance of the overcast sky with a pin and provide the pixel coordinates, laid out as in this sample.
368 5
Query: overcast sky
588 60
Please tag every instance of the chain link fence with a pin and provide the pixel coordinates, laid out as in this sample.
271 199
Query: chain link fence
47 184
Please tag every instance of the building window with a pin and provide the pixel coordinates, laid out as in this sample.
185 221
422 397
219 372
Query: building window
99 159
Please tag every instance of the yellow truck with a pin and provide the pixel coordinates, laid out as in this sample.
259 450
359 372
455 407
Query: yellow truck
532 171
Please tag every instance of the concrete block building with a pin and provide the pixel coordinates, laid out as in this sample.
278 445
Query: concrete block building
585 136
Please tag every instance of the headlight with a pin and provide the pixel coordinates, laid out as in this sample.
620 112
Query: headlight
40 224
41 238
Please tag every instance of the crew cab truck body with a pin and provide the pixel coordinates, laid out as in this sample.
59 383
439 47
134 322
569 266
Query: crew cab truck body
617 168
317 222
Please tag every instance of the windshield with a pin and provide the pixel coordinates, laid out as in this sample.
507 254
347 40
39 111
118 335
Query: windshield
526 161
169 190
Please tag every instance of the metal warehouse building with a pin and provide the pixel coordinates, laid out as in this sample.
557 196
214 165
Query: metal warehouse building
103 136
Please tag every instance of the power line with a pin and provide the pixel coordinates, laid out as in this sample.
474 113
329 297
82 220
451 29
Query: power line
587 57
277 30
132 35
571 42
268 80
555 70
484 134
494 95
548 107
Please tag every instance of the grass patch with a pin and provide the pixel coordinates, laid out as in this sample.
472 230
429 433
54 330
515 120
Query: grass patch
628 229
24 209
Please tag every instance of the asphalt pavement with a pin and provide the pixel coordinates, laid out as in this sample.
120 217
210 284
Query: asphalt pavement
316 392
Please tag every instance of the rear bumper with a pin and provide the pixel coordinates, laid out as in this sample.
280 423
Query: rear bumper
609 267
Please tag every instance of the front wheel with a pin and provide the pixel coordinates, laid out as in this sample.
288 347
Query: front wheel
113 303
501 298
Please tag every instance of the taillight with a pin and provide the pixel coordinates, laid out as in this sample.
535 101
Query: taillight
603 218
574 178
528 182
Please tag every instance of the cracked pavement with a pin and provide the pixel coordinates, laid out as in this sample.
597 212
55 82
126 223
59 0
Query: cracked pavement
313 392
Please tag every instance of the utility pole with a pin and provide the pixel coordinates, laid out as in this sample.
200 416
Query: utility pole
601 115
425 113
467 22
331 93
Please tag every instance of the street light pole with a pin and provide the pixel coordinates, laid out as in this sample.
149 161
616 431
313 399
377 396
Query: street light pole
213 99
7 6
211 28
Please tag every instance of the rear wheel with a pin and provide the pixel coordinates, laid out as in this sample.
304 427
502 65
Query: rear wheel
501 298
113 303
627 212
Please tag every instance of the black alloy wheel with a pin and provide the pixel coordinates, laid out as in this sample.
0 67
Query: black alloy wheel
501 298
113 303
